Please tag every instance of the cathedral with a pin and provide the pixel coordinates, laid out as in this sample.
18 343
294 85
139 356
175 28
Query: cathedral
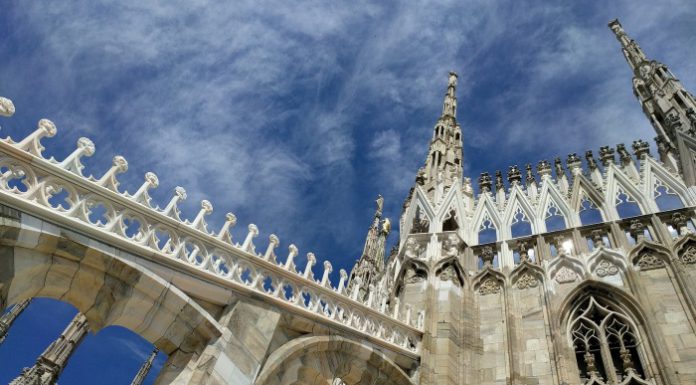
575 271
570 273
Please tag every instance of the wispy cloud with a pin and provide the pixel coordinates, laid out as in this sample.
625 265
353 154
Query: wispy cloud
294 115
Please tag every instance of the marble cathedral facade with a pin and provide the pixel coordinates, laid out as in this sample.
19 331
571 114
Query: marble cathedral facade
573 273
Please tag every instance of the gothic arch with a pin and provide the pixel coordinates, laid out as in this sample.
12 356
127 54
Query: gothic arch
318 360
625 308
452 270
108 289
619 184
565 269
638 254
549 193
527 275
604 262
488 281
584 188
412 271
515 203
453 202
685 249
419 202
486 212
654 172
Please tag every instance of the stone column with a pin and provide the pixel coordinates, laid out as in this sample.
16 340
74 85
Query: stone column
145 369
9 318
54 359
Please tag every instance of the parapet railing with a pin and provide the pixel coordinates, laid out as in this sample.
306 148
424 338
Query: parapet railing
58 191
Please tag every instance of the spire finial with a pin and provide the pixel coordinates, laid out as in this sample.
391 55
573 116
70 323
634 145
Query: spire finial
633 53
449 107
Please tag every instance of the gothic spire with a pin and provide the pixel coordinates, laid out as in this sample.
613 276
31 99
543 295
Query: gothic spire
444 162
10 317
369 267
669 107
54 359
634 55
145 369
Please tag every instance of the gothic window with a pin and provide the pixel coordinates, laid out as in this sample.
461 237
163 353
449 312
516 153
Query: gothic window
589 213
554 217
456 136
626 206
520 225
665 198
487 231
606 343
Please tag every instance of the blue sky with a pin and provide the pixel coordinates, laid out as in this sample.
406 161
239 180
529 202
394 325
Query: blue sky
295 115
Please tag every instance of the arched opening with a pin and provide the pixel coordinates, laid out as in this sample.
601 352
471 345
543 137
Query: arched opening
607 343
450 222
487 232
666 199
589 213
115 351
520 225
329 360
554 218
626 206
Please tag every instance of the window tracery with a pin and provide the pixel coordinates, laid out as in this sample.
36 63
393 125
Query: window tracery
625 204
554 218
606 344
665 198
589 212
520 225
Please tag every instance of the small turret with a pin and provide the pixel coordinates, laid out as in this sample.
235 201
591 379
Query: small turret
368 269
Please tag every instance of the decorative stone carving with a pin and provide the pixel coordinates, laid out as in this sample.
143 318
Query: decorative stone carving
450 274
489 286
565 275
412 276
527 281
485 182
688 255
649 261
606 268
487 256
6 107
514 175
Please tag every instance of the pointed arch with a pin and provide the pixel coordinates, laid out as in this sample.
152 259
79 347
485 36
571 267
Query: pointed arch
585 199
655 175
566 269
517 211
412 271
486 218
526 275
607 264
451 270
647 255
620 190
420 209
618 324
552 204
452 207
488 281
686 249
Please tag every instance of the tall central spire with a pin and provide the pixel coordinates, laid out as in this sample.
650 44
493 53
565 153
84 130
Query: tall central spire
444 162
